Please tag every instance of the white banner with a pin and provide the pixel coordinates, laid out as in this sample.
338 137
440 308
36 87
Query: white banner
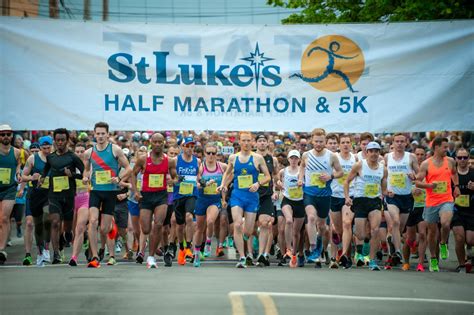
344 78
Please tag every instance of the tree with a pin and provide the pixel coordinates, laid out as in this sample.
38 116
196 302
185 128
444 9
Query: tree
345 11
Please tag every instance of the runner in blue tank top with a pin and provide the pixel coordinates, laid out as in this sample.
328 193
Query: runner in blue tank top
243 169
317 169
102 164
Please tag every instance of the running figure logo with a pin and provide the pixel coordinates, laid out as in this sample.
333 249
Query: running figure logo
332 63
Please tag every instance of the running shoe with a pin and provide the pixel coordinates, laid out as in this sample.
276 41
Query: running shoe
46 256
27 261
333 264
293 261
140 258
343 261
173 249
159 251
373 265
367 260
111 261
40 260
224 244
230 242
406 267
461 269
468 266
287 254
359 260
318 264
434 265
128 255
188 254
197 260
396 258
168 258
443 251
267 260
220 251
94 263
101 254
73 262
63 257
207 250
242 263
420 268
9 243
388 263
301 261
56 259
315 254
118 246
282 262
182 257
249 261
151 263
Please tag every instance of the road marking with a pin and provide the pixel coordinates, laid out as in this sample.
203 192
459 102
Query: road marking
237 303
351 297
268 304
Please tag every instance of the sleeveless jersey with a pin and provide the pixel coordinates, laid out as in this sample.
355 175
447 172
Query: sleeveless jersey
369 182
315 166
398 180
154 176
337 185
442 176
104 167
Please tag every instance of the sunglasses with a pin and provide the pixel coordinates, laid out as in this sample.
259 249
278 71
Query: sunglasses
211 153
462 157
7 134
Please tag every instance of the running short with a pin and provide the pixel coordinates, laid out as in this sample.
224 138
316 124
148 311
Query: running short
279 213
182 206
362 206
203 203
81 201
151 200
403 202
105 201
266 206
431 214
461 219
337 204
64 206
121 215
8 193
416 216
322 204
133 208
248 202
38 200
296 206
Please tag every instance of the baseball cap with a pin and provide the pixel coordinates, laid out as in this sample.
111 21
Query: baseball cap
260 136
294 153
5 127
415 142
145 136
188 140
82 136
46 140
34 145
373 145
126 151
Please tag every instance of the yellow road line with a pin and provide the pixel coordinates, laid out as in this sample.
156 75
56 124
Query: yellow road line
237 303
268 304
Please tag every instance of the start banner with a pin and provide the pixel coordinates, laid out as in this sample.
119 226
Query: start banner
344 77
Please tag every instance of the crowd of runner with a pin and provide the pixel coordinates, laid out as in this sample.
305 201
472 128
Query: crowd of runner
305 198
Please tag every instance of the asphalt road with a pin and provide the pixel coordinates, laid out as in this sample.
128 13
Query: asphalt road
219 288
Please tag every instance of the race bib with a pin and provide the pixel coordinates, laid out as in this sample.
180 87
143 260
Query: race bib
139 185
261 177
420 198
441 187
398 180
169 189
5 174
210 189
80 185
186 188
342 179
463 201
156 180
60 183
244 181
295 192
371 190
103 177
45 184
316 181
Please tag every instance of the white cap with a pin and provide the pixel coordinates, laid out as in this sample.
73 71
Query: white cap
5 127
145 136
126 151
294 153
415 142
373 145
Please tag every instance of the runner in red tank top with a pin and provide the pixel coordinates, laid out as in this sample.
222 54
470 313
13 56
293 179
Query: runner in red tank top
438 171
153 197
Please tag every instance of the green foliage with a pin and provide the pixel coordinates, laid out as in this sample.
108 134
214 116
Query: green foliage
345 11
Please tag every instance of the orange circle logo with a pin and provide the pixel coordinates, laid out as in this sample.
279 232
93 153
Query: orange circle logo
332 63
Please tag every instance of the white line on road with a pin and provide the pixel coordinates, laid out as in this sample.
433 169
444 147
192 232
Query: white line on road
351 297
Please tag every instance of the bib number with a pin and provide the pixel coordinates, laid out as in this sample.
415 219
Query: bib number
398 180
342 179
295 192
463 201
45 184
420 198
316 181
441 187
371 190
169 189
186 188
5 174
210 189
156 180
60 183
245 181
261 177
103 177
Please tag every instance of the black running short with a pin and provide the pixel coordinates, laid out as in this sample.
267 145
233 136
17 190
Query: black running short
105 201
182 206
